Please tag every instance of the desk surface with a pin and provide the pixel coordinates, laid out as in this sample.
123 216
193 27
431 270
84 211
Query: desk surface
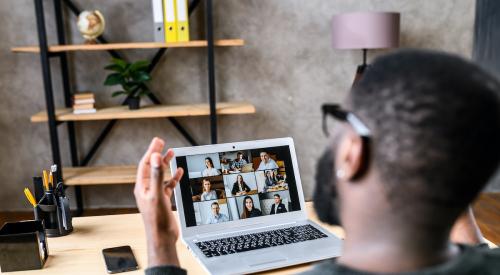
80 252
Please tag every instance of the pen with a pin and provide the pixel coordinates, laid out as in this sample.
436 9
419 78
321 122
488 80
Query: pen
51 180
30 197
53 171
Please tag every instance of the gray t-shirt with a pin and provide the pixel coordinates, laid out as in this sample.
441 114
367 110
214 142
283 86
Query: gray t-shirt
472 260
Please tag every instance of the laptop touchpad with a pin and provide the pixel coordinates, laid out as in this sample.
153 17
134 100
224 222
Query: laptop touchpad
264 258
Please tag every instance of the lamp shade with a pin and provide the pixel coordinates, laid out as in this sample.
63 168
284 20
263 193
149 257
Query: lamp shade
365 30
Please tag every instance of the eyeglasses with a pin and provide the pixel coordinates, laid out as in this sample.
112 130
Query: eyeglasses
345 116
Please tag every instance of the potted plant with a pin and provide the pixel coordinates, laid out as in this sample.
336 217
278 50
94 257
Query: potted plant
132 78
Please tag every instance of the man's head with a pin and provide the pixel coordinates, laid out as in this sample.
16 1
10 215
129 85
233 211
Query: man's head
435 137
277 199
239 156
215 208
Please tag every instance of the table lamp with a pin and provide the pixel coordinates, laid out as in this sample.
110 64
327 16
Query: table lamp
365 30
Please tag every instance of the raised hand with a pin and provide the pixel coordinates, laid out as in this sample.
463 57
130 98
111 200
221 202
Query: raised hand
153 195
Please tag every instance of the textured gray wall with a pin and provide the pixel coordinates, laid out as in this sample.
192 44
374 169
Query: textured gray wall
287 68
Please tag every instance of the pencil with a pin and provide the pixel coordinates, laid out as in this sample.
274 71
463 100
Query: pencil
30 197
45 180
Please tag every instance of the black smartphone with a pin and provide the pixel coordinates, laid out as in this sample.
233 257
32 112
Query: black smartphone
119 259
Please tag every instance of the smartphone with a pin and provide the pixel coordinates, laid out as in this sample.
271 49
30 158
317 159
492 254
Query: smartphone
119 259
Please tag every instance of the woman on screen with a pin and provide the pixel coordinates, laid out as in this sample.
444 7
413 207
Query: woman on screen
270 179
209 170
207 193
240 187
249 211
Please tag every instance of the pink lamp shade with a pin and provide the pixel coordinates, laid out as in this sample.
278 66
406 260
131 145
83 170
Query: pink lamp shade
365 30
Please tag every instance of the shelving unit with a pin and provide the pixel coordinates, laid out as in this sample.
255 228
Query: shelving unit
79 173
102 175
129 46
151 111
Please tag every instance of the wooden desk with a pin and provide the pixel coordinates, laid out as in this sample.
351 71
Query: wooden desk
81 251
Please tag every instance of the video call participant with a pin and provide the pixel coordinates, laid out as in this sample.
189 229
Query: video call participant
238 162
434 119
249 211
266 162
209 170
277 205
240 187
270 179
207 193
216 216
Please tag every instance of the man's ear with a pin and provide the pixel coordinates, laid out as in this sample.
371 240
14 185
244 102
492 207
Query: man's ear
352 157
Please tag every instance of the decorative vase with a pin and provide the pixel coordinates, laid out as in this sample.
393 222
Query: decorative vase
134 103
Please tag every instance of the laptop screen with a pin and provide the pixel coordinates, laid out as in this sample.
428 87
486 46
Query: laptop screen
229 186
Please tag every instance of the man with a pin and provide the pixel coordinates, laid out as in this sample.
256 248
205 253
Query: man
216 217
277 205
266 163
238 162
420 141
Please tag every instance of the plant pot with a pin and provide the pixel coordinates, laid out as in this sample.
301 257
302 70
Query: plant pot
133 103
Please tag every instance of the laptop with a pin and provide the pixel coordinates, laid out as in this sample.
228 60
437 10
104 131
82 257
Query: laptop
240 225
247 168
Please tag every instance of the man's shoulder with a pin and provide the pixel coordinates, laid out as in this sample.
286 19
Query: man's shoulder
473 260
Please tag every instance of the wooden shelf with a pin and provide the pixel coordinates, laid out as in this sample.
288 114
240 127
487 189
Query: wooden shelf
151 111
101 175
127 46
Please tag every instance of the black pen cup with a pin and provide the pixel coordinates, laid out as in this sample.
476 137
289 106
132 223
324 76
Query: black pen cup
55 215
23 246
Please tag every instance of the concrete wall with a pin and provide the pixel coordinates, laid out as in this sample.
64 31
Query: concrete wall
287 68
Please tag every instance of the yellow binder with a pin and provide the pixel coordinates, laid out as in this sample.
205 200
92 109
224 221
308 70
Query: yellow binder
182 20
169 21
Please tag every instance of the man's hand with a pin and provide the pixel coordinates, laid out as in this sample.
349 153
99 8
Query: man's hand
153 200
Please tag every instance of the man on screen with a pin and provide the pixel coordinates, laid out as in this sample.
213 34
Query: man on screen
216 216
417 142
277 207
266 162
238 162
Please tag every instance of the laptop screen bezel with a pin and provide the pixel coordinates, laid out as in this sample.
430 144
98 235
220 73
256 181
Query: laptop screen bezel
231 226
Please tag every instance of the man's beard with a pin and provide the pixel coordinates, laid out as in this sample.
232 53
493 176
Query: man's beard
325 193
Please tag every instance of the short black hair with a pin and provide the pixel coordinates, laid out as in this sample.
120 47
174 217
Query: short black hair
216 203
277 195
435 122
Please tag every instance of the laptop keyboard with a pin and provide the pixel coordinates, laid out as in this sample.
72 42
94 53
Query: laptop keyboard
237 244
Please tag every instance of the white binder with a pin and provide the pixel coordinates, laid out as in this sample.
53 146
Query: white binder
159 32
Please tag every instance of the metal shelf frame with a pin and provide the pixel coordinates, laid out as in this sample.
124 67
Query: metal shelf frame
45 57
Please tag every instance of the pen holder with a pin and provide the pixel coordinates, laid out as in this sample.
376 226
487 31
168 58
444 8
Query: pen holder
23 246
55 214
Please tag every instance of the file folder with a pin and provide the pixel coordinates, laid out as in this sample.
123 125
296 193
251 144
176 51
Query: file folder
159 33
182 20
169 21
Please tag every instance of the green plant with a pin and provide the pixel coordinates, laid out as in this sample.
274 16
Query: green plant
131 76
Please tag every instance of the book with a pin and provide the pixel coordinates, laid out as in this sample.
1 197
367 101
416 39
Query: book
83 106
83 101
87 111
83 96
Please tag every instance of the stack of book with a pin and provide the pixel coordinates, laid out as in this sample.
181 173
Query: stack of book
83 103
